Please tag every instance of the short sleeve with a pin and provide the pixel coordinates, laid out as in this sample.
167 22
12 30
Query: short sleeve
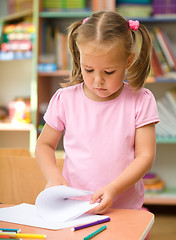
146 109
54 115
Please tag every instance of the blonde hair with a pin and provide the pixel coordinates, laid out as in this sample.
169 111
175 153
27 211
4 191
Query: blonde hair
108 28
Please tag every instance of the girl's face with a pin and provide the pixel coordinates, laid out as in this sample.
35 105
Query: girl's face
103 70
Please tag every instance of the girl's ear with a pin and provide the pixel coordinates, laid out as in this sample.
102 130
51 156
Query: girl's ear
130 59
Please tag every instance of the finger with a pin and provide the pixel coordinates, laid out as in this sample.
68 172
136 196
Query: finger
102 207
95 197
100 211
104 210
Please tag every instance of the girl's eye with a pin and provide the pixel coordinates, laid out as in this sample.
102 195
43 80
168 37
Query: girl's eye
89 70
109 72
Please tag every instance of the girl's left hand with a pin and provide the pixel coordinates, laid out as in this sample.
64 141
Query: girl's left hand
105 196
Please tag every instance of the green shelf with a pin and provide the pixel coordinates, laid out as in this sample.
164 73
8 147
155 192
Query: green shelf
166 140
166 197
65 14
154 19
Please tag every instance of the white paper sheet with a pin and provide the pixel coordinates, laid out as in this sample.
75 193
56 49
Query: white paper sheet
53 210
55 203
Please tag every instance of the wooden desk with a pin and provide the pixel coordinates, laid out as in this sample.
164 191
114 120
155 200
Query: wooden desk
124 225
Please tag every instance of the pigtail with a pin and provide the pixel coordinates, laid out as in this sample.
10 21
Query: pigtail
76 75
140 69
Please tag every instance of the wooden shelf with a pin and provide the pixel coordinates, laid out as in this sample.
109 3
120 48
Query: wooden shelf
58 73
15 127
14 16
67 72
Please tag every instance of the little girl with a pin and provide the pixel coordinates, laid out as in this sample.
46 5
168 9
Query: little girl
108 123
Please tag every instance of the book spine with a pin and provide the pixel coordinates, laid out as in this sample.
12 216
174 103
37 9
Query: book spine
160 54
164 48
169 47
110 5
157 68
103 5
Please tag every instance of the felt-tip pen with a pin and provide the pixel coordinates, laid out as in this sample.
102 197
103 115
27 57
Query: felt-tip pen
22 235
10 230
95 233
91 224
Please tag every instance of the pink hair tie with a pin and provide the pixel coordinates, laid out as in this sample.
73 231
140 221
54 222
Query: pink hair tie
85 20
134 25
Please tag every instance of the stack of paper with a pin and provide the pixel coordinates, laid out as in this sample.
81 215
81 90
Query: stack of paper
55 208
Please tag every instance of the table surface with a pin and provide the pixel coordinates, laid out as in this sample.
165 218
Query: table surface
125 224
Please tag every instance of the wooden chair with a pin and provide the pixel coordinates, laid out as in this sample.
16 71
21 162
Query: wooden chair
21 179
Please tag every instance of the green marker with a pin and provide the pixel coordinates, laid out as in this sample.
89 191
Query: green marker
95 233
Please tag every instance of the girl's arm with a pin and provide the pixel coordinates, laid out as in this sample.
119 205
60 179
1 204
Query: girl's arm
45 155
145 145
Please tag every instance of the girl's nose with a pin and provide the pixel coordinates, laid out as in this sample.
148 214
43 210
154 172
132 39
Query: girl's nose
99 79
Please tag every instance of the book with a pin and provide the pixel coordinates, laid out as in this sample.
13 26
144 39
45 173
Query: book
134 10
15 6
103 5
156 64
55 208
164 64
62 56
64 5
164 7
170 48
165 48
17 41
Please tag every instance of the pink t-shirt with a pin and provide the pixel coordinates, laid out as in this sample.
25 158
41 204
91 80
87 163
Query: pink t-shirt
99 137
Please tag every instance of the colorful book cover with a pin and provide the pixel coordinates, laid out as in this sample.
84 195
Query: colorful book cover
169 47
64 4
164 48
159 53
101 5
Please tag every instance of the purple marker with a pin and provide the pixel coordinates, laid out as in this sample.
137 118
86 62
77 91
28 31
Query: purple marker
91 224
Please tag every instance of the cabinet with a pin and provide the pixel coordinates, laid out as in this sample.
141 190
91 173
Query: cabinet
44 84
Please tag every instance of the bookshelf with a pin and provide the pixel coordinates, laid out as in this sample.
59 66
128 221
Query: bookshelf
43 84
15 83
165 161
158 86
